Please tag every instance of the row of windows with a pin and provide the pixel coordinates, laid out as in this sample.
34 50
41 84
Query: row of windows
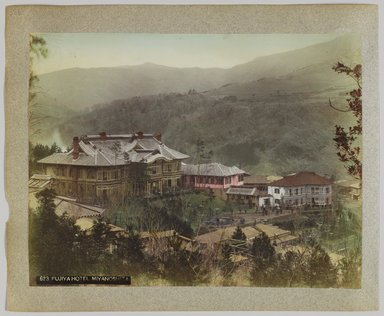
211 180
312 201
168 167
314 190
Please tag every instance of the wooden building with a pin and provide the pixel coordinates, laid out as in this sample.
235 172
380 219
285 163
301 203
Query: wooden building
103 169
302 188
212 175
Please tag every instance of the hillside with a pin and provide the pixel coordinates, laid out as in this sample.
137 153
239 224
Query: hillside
279 136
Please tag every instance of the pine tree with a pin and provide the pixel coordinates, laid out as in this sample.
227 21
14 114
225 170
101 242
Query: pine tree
51 238
264 258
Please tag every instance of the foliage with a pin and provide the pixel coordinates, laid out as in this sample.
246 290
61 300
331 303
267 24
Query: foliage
52 238
350 268
238 234
263 256
182 211
227 266
39 151
349 151
58 246
38 49
244 139
179 265
238 240
320 271
130 247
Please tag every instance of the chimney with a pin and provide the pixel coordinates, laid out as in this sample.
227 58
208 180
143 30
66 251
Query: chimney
158 136
140 135
103 135
76 148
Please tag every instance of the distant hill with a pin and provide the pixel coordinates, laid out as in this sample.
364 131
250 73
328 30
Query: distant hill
79 88
269 116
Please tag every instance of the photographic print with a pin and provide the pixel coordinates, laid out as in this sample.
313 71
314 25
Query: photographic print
192 158
196 159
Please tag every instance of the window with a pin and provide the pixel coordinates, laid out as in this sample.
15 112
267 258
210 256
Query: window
114 174
296 191
277 191
89 174
301 190
169 182
61 171
327 191
290 191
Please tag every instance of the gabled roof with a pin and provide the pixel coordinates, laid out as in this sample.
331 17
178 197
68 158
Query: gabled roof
301 178
112 150
211 169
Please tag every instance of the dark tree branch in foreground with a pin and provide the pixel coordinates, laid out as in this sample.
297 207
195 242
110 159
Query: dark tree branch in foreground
346 138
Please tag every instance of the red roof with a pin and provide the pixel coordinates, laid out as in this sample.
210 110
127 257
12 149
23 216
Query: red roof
301 178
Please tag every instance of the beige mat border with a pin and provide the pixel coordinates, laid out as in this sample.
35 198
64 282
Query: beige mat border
22 20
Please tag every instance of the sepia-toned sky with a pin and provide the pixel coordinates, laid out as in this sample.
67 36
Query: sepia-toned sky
89 50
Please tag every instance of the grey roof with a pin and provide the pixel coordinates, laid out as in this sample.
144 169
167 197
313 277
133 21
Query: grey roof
256 179
242 191
224 234
116 150
76 210
211 169
39 181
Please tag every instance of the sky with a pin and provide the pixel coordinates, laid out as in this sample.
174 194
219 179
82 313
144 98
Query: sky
90 50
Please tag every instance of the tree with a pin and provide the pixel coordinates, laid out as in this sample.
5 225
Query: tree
38 49
202 156
181 266
264 256
238 241
51 239
99 241
350 268
238 234
346 140
130 249
39 151
320 271
227 266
